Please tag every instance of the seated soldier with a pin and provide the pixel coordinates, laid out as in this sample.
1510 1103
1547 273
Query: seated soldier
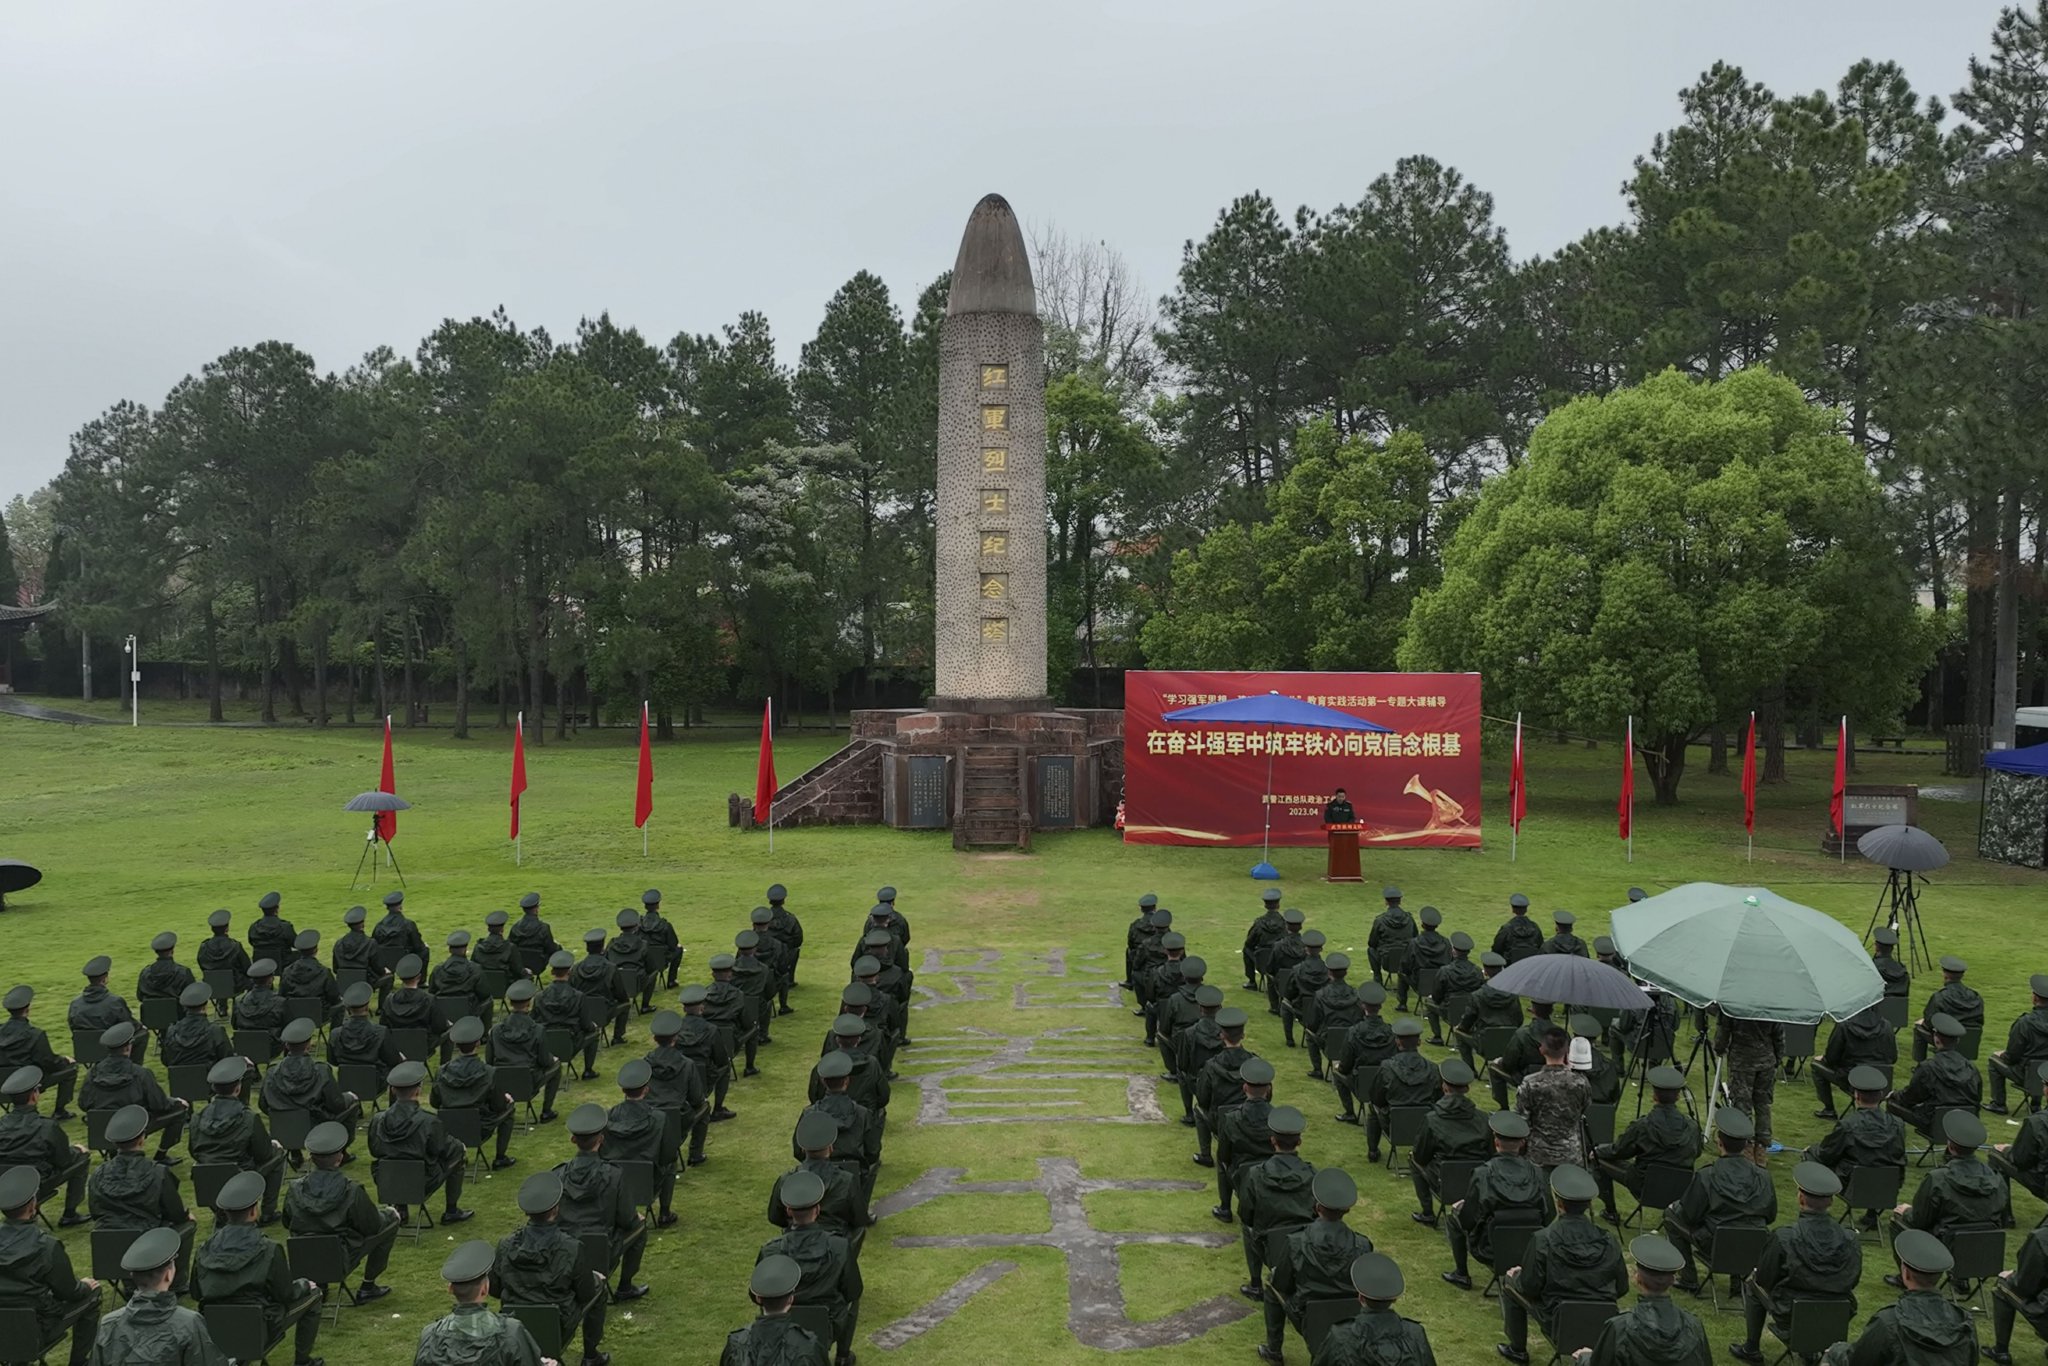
165 978
1458 977
599 981
359 1041
1865 1039
1665 1137
637 1132
306 978
36 1274
97 1009
519 1041
1732 1190
1217 1086
239 1265
733 1011
860 1141
326 1201
775 1336
2025 1159
1961 1193
706 1044
844 1208
560 1006
472 1333
412 1006
1952 997
595 1200
1603 1077
299 1081
195 1038
128 1191
467 1082
1274 1193
1242 1135
634 956
28 1138
1654 1331
152 1327
1452 1132
1924 1328
1367 1044
1571 1258
403 1132
677 1083
1193 1046
1317 1265
1946 1081
456 975
2021 1293
537 1264
260 1009
116 1080
1523 1055
1507 1184
1302 982
1486 1009
222 952
1406 1079
866 1083
495 953
1867 1136
24 1045
1813 1258
831 1274
227 1133
1378 1334
2026 1047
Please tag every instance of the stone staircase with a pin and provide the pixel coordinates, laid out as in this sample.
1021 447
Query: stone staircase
991 800
845 789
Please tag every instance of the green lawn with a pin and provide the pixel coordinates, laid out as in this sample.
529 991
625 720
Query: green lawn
139 831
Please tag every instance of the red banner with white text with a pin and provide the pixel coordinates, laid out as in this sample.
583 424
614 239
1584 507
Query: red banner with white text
1416 785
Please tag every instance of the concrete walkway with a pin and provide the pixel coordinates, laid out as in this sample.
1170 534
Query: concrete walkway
12 705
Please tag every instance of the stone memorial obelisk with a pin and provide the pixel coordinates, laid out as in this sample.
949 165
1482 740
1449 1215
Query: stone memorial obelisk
990 650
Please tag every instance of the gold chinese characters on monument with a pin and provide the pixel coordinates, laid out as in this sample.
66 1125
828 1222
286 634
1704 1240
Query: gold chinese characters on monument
995 501
994 460
995 376
995 629
995 587
995 544
995 417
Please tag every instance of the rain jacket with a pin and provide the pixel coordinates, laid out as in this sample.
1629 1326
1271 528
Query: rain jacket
775 1341
153 1328
475 1336
1318 1264
240 1265
1654 1332
132 1191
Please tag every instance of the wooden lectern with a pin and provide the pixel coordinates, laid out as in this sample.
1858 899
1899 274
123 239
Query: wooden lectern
1343 865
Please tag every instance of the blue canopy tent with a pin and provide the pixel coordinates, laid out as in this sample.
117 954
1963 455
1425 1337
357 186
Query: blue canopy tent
1273 710
2012 824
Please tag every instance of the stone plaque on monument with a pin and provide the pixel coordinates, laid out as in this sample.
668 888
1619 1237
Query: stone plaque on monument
1055 786
1866 806
927 792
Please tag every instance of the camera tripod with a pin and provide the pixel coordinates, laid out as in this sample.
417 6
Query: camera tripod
1656 1040
370 843
1899 903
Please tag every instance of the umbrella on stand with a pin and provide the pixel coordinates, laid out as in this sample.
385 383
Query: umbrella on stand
1905 850
374 802
1571 979
1273 710
16 876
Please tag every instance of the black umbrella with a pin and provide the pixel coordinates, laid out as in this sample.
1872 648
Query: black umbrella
1571 978
1907 848
16 876
377 801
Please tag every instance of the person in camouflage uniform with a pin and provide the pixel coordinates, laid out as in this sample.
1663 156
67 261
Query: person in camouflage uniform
1654 1331
1947 1080
1368 1043
1518 936
1274 1193
1952 997
1302 982
24 1045
1453 1132
1751 1051
1259 935
1865 1039
1377 1335
1962 1192
1317 1264
2026 1048
1553 1098
152 1327
1242 1133
1334 1003
327 1202
1813 1257
775 1338
1570 1258
1408 1078
1460 976
1665 1137
1218 1085
1733 1190
473 1335
1924 1328
1506 1183
1388 942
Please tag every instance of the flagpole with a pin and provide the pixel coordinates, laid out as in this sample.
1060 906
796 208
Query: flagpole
1749 797
771 799
1630 744
518 840
643 736
1842 762
387 750
1514 818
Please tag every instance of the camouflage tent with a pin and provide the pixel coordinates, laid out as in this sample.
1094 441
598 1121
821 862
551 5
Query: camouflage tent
2014 825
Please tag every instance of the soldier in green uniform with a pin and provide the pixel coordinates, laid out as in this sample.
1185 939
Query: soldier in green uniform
1161 980
1812 1257
860 1140
96 1009
260 1008
1924 1328
630 957
1570 1258
1317 1264
537 1264
1388 942
638 1132
2026 1047
1285 950
328 1201
195 1038
2021 1293
411 1006
1259 935
128 1191
776 955
355 951
595 1200
270 934
1303 981
665 946
598 979
559 1005
1407 1078
1459 976
1867 1136
705 1042
844 1208
1487 1009
403 1132
152 1327
24 1045
1665 1137
35 1270
1507 1186
307 978
1945 1081
678 1083
1194 1045
222 952
1565 941
756 978
29 1138
396 935
1243 1136
1366 1044
1134 934
775 1338
1952 997
1335 1002
456 975
495 953
1218 1086
1274 1193
239 1265
359 1040
1452 1132
1523 1054
467 1082
830 1276
1146 956
519 1041
1603 1077
879 922
1378 1335
474 1335
1430 952
2025 1159
1961 1193
897 924
1865 1039
1654 1332
532 936
116 1080
227 1133
867 1083
1898 978
1733 1190
1518 936
1177 1012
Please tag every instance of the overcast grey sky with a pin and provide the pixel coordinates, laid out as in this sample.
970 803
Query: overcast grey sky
179 179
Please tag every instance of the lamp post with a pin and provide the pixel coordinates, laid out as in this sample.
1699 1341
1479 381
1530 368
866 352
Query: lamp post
134 681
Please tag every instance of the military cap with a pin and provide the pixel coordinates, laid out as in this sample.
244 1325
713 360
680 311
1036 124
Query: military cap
2039 984
562 958
761 915
1271 896
886 894
593 936
1292 916
118 1035
1315 939
267 967
835 1064
1454 1072
1568 1182
1371 994
326 1138
272 900
98 967
1507 1124
21 1081
156 1249
776 892
1868 1079
802 1189
667 1024
1518 902
1490 959
1231 1017
1207 995
652 896
857 994
866 966
1653 1252
164 942
1375 1277
130 1122
226 1072
1333 1189
394 900
1730 1122
354 915
1148 902
218 920
470 1262
588 1118
1667 1078
876 939
244 1190
1390 893
1963 1129
1564 919
849 1027
530 902
1406 1028
745 939
627 918
1814 1179
1584 1026
1951 963
1256 1072
1162 918
722 962
18 1186
522 991
469 1029
18 998
1886 935
1462 940
1946 1025
356 994
694 994
815 1130
193 997
407 1075
1193 968
1431 917
297 1031
306 941
1602 946
1337 962
1173 939
1637 894
635 1075
409 966
459 939
496 920
540 1193
878 911
1923 1252
1285 1119
774 1276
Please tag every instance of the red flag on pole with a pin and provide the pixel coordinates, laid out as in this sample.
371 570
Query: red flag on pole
1841 777
1626 807
518 771
1749 779
1518 783
643 792
764 769
387 821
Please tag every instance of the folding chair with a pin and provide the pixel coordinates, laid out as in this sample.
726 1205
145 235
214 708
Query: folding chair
1577 1324
1894 1009
1510 1233
1318 1317
564 1043
1405 1124
544 1322
321 1259
1979 1251
416 1045
96 1129
404 1183
225 987
207 1180
1424 982
1971 1042
1871 1188
1454 1178
1453 1009
348 977
87 1048
240 1331
306 1008
639 1178
520 1084
188 1082
1937 1125
594 1254
1662 1184
1494 1041
363 1080
109 1245
257 1045
1600 1123
1799 1039
290 1127
1733 1251
465 1124
22 1326
160 1012
495 982
1330 1039
1816 1325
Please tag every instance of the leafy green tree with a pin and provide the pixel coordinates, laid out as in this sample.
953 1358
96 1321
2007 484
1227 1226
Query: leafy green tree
735 395
1101 471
